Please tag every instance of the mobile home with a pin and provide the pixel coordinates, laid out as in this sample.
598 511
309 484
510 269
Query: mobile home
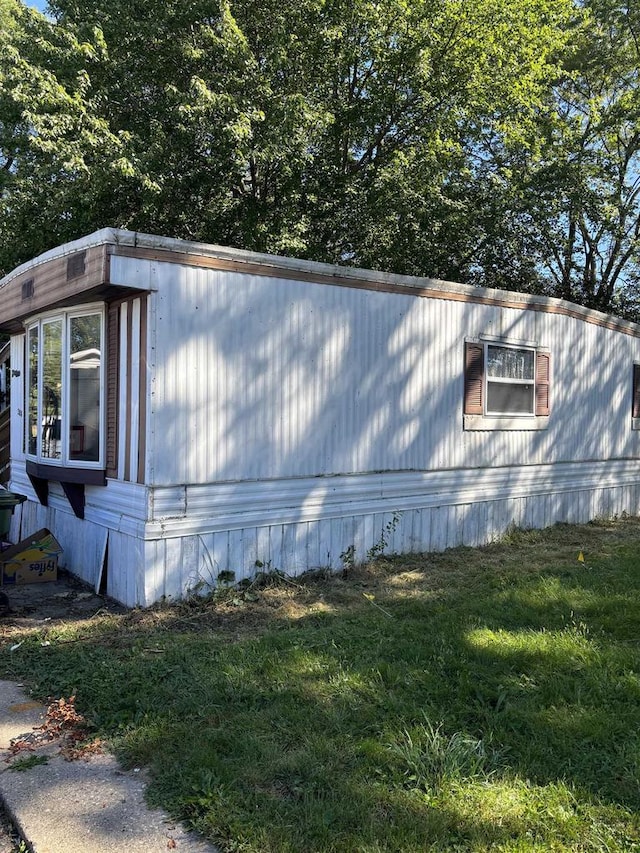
179 410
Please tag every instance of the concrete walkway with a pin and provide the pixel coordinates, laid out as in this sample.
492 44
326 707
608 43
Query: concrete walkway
88 805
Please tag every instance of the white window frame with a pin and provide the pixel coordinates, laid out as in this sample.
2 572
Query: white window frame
65 316
498 380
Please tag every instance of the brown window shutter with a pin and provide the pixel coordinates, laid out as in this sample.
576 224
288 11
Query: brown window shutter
113 372
543 373
473 378
635 405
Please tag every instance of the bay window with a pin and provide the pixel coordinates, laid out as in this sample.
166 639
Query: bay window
64 383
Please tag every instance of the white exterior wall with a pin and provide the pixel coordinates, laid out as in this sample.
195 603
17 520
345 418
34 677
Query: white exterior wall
258 378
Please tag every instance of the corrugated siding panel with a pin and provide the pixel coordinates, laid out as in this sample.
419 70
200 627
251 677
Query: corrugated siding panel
112 374
286 379
134 390
264 378
142 389
125 562
123 397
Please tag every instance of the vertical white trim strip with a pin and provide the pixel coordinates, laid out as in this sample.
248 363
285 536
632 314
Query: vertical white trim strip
122 394
134 366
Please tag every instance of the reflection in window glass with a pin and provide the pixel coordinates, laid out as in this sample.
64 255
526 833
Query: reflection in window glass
509 363
510 380
51 388
32 414
85 348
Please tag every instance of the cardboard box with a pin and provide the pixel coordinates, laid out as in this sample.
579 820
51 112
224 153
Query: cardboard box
33 560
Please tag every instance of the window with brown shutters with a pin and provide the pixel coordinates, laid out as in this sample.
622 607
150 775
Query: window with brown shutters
507 379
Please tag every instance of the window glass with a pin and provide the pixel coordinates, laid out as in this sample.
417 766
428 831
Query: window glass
85 349
51 389
64 395
510 363
32 393
504 397
510 380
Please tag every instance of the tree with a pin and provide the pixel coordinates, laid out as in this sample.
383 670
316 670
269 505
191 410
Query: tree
50 138
493 142
571 193
591 240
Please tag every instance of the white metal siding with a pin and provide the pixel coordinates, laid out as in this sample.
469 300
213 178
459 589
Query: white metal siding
292 425
131 427
266 378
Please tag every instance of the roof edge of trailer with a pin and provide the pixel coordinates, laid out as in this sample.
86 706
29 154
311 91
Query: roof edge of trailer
191 253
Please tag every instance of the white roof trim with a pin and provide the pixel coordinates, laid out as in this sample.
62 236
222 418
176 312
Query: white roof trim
119 237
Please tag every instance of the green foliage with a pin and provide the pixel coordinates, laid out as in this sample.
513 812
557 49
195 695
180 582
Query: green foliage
22 764
53 144
493 142
570 195
428 758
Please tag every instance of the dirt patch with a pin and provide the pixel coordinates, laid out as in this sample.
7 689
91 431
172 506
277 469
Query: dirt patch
36 605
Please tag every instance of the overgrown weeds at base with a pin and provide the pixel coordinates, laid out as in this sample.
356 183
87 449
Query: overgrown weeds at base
476 700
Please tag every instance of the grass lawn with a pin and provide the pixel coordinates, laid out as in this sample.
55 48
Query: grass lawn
480 699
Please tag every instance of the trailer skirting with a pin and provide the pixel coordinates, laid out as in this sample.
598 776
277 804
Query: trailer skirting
144 544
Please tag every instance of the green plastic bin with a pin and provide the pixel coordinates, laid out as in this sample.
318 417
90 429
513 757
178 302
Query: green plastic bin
8 502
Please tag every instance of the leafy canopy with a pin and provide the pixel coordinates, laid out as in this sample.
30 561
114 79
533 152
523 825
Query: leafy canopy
494 142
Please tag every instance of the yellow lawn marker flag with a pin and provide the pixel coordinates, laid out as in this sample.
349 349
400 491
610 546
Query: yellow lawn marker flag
581 557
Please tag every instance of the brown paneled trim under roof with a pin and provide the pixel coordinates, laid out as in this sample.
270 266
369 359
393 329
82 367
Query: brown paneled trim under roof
58 279
99 282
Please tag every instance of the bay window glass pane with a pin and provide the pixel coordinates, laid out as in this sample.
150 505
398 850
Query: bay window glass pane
512 399
51 389
32 392
85 352
510 363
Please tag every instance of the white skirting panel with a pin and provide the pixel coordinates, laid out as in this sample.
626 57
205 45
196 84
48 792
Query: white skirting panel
292 526
105 559
192 562
83 545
